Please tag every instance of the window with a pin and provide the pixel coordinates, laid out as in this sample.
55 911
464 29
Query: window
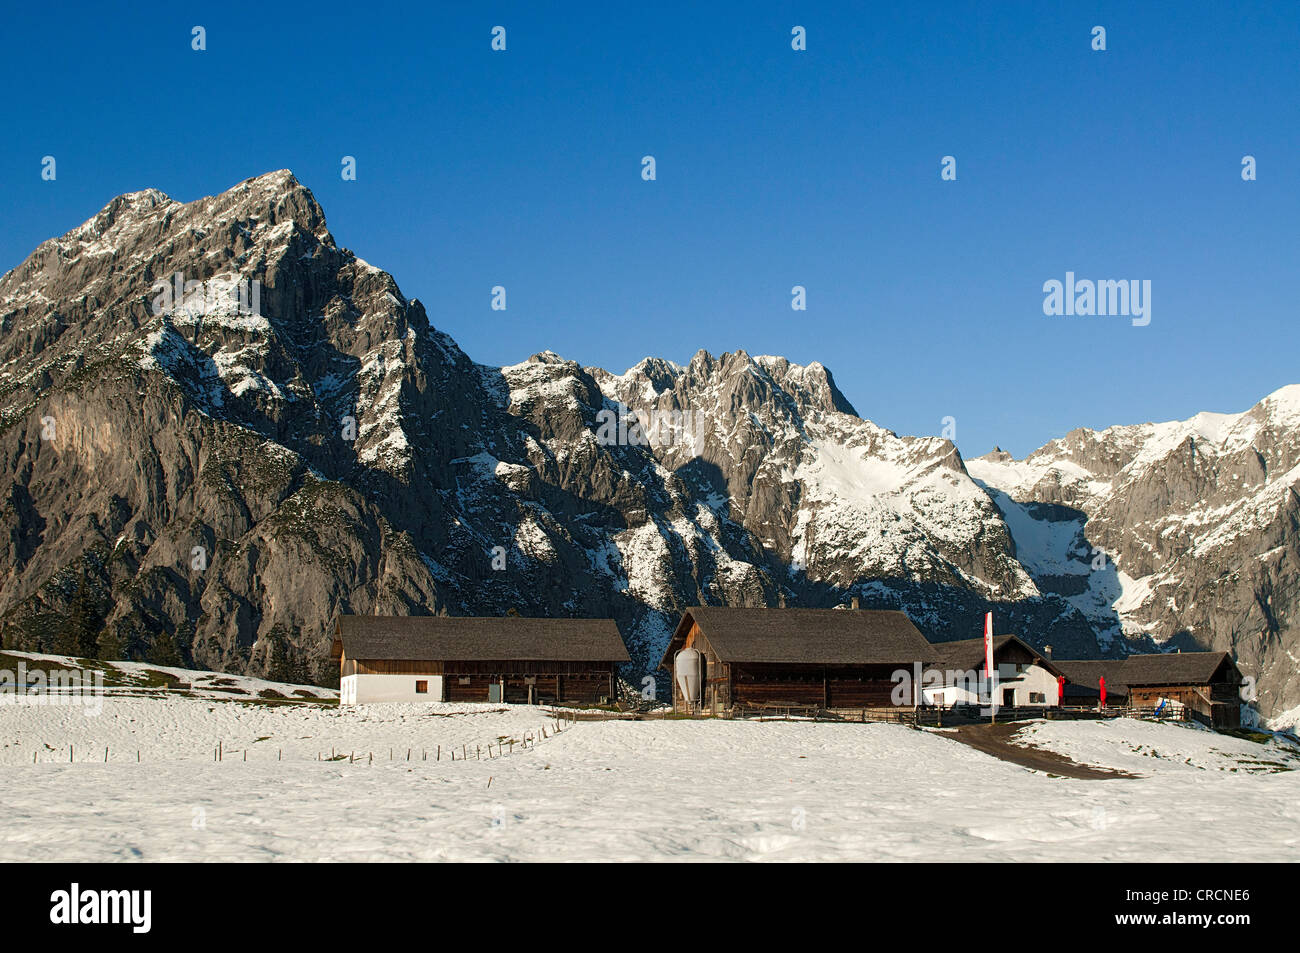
463 680
421 687
1037 698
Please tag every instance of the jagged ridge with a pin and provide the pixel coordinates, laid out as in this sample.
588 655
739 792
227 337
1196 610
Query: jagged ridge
336 453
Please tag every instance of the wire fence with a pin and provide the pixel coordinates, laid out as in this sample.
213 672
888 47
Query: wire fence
221 751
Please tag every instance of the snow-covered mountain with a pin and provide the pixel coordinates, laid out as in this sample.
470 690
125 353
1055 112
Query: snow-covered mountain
237 475
830 497
1184 533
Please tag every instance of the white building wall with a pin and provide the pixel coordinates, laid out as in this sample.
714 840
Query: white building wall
367 689
1034 679
949 695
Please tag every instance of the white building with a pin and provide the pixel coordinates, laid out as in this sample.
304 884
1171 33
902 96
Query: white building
1024 677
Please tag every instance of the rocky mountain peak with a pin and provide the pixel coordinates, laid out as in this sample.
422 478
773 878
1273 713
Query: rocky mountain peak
276 197
232 477
547 357
749 383
997 455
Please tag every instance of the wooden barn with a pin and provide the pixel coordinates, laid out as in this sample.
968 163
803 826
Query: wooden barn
447 658
1026 678
1207 683
724 659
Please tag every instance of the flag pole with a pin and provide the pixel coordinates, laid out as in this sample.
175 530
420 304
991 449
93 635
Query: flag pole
988 666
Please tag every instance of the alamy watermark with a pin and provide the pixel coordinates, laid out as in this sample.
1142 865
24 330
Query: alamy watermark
195 298
910 685
660 428
1104 297
76 905
55 688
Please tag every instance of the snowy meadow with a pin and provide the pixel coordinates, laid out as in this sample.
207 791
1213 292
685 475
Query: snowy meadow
445 782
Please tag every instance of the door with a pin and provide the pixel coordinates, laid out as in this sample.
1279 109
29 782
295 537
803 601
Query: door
1009 697
494 692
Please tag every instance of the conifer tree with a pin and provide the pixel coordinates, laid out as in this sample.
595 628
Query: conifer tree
81 629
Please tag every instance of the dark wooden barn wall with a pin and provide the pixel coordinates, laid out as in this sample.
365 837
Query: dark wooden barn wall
1012 653
1219 703
860 686
717 675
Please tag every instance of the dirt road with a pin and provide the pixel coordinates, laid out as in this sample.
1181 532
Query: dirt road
997 740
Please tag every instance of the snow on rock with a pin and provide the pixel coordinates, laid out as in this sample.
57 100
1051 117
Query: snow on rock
832 495
1287 721
1177 534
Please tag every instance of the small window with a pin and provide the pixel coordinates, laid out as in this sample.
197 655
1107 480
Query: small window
1037 698
421 687
463 680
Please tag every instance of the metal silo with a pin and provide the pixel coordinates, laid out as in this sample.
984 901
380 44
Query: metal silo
688 670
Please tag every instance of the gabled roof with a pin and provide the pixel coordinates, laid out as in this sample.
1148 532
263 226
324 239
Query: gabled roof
1175 668
1087 673
965 655
429 638
1163 668
805 636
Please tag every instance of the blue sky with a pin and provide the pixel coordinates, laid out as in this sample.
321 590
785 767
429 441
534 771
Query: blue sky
775 168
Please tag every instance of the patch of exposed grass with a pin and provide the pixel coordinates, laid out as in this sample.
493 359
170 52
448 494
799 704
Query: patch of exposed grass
1248 734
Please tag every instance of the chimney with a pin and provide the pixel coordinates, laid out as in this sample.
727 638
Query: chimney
1047 652
855 603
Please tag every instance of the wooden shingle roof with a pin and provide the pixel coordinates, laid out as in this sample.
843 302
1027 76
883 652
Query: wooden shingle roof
1163 668
1174 668
1087 674
806 636
967 654
442 638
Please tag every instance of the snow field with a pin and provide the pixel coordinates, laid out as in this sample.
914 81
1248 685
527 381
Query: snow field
618 790
1177 747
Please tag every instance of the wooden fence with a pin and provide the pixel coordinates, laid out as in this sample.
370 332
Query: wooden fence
923 715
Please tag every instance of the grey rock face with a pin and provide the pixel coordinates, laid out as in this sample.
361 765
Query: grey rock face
1193 525
236 480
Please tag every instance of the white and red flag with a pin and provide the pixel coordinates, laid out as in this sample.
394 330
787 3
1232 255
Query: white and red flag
988 645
